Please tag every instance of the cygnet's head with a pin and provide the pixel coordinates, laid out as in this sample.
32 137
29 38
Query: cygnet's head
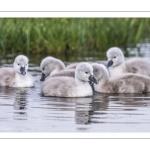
21 64
84 72
49 66
114 56
99 71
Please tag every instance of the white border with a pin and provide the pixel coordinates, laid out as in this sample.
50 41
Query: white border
69 144
74 5
75 14
86 135
79 5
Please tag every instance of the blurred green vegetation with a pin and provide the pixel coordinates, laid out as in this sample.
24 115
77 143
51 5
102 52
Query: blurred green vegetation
70 36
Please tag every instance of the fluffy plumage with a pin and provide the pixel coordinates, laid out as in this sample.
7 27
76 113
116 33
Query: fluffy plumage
69 86
117 65
52 67
125 83
72 66
17 76
66 72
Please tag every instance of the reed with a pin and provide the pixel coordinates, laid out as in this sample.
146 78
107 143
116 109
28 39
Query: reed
70 36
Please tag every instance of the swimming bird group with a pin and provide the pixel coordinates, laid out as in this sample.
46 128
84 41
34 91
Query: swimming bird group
82 79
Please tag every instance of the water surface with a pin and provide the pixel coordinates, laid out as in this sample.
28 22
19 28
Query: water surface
26 110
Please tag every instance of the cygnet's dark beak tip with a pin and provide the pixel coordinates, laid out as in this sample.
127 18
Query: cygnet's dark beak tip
43 76
93 79
22 70
42 79
110 63
96 82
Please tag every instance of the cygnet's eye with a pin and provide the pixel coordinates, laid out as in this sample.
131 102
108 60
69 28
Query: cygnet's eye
86 72
18 64
43 68
114 56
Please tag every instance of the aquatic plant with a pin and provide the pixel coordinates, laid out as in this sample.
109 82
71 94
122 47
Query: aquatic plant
70 36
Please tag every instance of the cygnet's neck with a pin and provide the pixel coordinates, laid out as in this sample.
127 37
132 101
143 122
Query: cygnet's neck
104 79
20 76
80 82
56 70
103 85
117 70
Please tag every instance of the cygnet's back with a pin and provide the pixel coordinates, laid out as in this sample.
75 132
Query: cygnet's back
117 65
65 72
138 65
17 76
69 86
72 66
131 83
125 83
7 76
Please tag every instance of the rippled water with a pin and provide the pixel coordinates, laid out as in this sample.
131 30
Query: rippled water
26 110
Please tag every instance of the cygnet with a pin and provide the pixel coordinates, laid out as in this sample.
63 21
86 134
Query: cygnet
17 76
69 86
117 65
125 83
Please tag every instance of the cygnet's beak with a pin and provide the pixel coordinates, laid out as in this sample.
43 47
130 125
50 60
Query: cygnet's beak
22 70
110 63
43 76
93 79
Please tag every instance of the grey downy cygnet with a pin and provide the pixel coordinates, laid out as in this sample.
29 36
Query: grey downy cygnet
52 67
69 86
117 65
17 76
125 83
